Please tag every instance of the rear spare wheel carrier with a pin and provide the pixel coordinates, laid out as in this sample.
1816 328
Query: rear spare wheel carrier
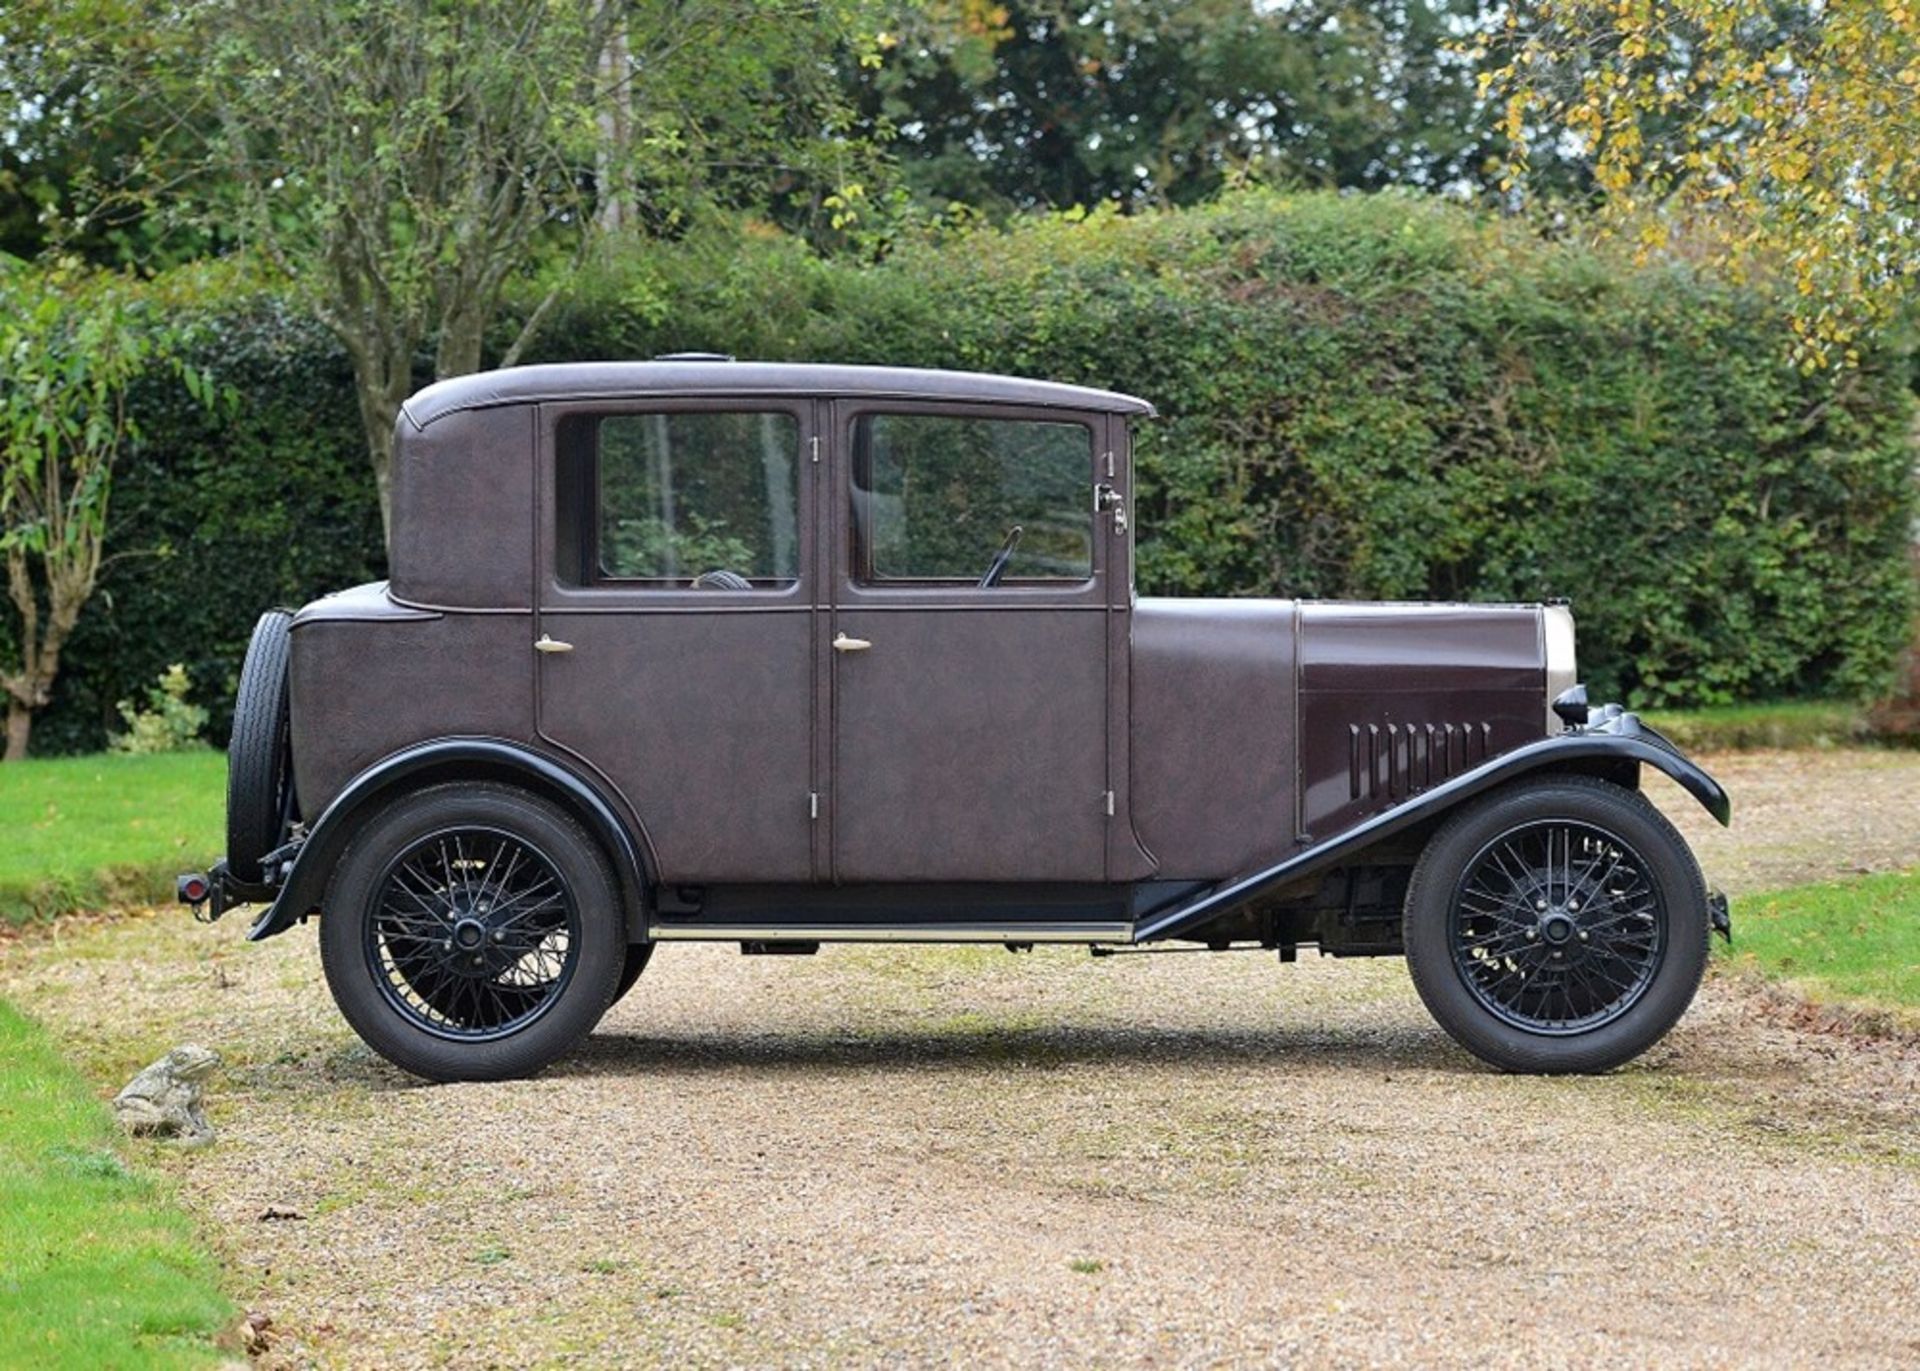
260 799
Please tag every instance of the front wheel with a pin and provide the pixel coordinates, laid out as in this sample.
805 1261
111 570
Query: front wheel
472 933
1558 925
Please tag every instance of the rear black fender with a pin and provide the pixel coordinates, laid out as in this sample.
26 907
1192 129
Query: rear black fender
1618 742
305 871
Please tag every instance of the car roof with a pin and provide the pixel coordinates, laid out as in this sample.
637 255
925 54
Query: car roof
638 380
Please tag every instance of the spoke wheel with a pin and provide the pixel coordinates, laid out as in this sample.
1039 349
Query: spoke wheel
473 933
1558 927
1556 924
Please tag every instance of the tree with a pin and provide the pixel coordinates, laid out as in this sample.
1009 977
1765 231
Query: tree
404 160
71 341
59 147
1775 133
1077 102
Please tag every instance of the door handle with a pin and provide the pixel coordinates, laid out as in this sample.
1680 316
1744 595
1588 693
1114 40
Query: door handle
845 644
547 644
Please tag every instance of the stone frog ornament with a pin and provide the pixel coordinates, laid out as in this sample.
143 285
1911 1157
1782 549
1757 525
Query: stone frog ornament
163 1101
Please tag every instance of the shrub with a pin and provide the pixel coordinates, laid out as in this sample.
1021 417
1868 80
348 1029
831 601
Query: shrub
169 723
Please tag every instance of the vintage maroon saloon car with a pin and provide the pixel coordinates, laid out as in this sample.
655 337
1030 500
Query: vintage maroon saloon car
784 655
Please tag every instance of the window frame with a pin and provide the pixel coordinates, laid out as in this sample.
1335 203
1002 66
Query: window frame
852 570
585 585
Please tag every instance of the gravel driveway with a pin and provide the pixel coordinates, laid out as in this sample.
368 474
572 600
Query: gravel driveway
961 1156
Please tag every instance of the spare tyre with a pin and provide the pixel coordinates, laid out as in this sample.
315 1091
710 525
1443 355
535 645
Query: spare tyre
260 801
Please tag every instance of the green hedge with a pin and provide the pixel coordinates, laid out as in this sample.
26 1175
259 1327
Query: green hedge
1362 396
1392 397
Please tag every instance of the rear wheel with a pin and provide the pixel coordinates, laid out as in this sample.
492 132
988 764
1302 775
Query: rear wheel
472 932
1558 925
638 955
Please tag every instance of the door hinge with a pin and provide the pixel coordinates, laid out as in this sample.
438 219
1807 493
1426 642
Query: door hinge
1109 804
813 445
813 804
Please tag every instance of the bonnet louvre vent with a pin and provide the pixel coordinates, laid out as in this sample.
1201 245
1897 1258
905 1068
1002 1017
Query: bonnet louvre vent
1393 761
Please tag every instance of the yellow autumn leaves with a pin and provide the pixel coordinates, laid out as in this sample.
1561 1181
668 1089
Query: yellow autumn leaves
1777 138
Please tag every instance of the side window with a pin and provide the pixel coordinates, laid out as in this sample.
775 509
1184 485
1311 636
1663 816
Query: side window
937 497
694 499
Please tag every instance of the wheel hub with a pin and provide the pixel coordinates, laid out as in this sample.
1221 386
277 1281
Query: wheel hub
469 933
1557 928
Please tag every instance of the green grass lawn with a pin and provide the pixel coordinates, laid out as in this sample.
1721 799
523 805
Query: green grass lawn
1732 728
82 832
1853 943
97 1268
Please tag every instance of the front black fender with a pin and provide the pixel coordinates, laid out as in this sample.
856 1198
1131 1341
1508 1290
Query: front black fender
1616 738
304 880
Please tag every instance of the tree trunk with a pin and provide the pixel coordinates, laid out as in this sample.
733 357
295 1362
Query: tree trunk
463 333
1899 716
379 411
615 117
19 726
19 688
380 449
32 688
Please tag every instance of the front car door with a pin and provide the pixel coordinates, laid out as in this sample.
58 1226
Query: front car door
969 722
678 614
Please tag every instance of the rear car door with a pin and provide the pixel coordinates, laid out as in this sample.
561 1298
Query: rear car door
969 723
677 615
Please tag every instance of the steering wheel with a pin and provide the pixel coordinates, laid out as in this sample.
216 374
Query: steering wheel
998 566
721 579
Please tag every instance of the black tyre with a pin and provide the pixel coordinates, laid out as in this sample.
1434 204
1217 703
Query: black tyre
638 955
472 933
1557 925
260 800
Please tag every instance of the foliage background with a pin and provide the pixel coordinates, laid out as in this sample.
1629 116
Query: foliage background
219 514
1362 396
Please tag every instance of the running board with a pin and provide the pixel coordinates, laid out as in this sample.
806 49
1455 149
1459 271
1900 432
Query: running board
895 933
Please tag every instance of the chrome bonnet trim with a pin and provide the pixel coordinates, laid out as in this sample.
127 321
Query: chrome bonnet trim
1557 634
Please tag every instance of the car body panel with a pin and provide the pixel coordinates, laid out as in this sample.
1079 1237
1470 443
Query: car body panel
970 740
1213 725
367 686
1396 698
639 685
995 770
462 531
